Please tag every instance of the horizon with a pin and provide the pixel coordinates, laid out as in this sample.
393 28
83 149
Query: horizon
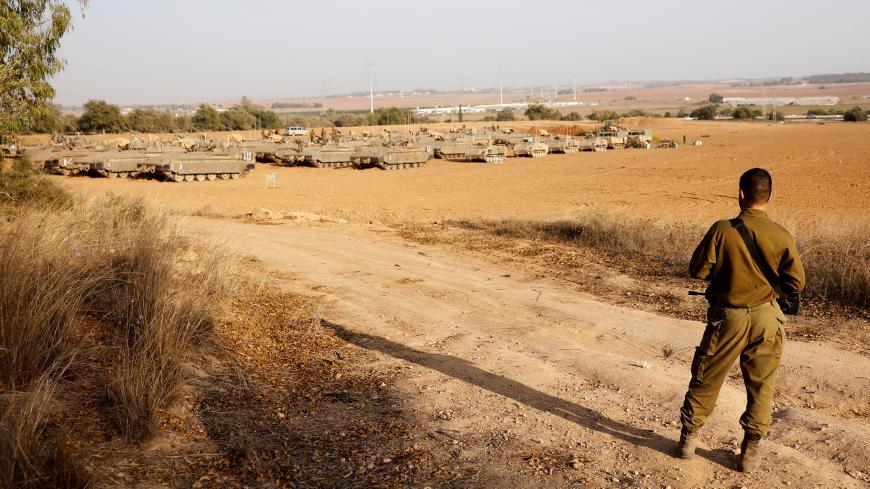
194 60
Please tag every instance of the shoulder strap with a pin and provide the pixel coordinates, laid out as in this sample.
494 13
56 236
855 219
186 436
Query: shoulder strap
762 265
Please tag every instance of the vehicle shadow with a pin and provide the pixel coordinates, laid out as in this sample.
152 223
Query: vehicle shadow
465 371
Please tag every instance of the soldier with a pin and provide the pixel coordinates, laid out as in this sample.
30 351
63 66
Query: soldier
749 261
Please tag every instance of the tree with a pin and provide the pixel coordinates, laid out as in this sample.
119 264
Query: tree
238 119
505 115
742 113
855 114
536 112
603 115
572 116
707 112
715 98
100 116
150 120
775 116
207 118
30 34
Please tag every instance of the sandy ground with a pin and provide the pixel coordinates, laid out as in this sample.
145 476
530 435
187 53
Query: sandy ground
513 366
821 176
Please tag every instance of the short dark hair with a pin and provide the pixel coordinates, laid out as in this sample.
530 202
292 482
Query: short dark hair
756 185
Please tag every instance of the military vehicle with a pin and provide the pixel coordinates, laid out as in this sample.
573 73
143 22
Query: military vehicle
187 167
614 135
667 143
289 155
563 144
390 157
592 143
638 138
530 147
482 150
489 153
328 157
112 164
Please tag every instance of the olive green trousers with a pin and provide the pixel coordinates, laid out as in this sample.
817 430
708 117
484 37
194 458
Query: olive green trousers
755 336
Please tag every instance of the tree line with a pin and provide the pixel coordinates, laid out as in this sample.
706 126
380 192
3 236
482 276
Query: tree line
100 116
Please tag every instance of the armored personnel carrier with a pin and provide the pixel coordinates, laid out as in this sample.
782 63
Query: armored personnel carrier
592 143
187 167
390 158
615 136
328 157
563 145
488 153
528 146
639 138
112 164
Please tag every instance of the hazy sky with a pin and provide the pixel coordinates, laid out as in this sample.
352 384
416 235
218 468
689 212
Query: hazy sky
157 51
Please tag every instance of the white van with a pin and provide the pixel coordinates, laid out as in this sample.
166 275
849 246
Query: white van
295 131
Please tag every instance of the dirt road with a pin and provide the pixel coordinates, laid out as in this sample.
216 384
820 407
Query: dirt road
518 369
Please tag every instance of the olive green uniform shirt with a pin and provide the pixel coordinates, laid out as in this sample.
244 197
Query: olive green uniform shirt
735 279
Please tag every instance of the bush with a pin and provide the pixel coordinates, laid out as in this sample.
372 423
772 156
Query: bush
742 113
775 116
150 120
22 187
572 116
856 114
100 116
602 115
715 98
505 115
630 97
707 112
537 112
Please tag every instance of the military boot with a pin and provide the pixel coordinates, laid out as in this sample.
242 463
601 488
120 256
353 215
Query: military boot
686 447
749 453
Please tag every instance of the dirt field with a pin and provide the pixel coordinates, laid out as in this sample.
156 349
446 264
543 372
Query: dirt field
655 97
520 377
821 175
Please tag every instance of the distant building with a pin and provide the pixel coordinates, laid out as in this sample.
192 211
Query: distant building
781 100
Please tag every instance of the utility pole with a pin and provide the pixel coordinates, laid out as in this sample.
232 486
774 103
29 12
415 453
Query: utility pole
500 87
369 68
574 85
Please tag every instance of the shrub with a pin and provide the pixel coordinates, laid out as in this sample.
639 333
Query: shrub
775 116
742 113
707 112
572 116
715 98
505 115
602 115
21 186
856 114
536 112
630 97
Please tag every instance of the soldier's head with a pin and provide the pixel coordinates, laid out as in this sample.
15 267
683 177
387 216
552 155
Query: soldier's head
755 188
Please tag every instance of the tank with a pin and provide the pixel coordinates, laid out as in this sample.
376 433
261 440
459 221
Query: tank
488 153
187 167
563 145
113 164
592 143
639 138
328 157
391 158
528 146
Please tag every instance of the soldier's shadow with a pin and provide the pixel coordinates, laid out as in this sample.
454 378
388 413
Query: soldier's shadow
463 370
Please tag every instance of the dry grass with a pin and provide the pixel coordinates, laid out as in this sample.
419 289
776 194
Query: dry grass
644 240
33 453
109 277
837 262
